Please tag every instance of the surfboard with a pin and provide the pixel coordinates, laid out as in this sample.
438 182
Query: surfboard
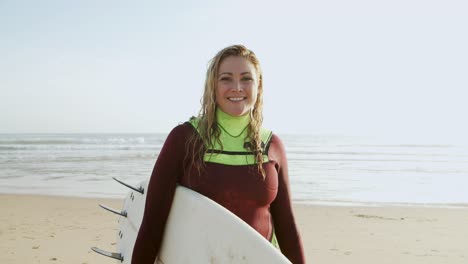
198 230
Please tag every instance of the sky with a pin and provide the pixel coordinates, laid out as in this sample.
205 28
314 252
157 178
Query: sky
394 68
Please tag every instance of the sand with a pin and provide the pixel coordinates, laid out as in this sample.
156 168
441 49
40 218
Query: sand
48 229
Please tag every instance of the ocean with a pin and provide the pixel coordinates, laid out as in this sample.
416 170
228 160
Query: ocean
323 169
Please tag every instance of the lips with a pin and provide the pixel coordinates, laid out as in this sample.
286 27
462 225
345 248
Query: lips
236 99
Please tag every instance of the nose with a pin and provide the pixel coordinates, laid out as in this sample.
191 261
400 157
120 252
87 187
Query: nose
238 86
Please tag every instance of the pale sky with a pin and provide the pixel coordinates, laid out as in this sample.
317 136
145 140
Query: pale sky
397 68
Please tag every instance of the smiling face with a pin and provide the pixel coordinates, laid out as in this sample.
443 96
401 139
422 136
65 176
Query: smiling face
236 86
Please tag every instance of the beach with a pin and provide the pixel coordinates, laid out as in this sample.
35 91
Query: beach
55 229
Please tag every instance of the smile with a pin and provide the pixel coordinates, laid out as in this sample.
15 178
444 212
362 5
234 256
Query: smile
236 99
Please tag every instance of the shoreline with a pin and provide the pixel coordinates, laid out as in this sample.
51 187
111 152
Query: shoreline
57 229
319 203
460 206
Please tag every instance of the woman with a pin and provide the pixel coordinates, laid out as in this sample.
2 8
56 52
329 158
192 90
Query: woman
227 156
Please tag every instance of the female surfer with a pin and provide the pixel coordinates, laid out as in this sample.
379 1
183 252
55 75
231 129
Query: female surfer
226 155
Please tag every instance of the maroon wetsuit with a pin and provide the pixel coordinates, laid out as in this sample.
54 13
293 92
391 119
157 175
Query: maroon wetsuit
263 203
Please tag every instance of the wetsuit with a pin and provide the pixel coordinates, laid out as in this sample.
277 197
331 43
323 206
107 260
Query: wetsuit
230 178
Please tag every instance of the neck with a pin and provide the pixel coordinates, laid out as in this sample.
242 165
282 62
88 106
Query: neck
233 125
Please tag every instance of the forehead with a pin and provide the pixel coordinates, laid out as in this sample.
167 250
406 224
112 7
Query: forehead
235 64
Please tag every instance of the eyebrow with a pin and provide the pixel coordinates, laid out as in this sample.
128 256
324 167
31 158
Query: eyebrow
230 73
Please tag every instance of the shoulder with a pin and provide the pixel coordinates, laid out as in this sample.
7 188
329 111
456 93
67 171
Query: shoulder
193 122
268 138
178 137
273 143
276 139
181 131
276 150
276 143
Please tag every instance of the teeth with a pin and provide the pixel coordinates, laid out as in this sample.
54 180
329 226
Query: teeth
236 98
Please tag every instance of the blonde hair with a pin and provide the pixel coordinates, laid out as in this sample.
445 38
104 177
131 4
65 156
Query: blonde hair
208 129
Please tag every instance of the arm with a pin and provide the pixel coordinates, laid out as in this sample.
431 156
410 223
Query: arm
286 230
161 188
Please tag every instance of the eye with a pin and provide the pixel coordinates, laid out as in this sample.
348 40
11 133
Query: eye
247 79
225 79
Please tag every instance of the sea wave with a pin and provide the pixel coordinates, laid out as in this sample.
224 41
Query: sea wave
80 139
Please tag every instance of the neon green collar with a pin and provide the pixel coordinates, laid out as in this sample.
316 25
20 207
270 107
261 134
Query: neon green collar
234 126
232 150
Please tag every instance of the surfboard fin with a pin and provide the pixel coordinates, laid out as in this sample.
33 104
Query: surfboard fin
140 189
113 255
122 213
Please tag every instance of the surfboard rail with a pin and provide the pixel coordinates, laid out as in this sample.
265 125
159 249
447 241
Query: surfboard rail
121 213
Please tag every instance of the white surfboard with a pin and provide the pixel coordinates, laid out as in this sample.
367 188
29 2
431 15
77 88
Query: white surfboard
198 230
